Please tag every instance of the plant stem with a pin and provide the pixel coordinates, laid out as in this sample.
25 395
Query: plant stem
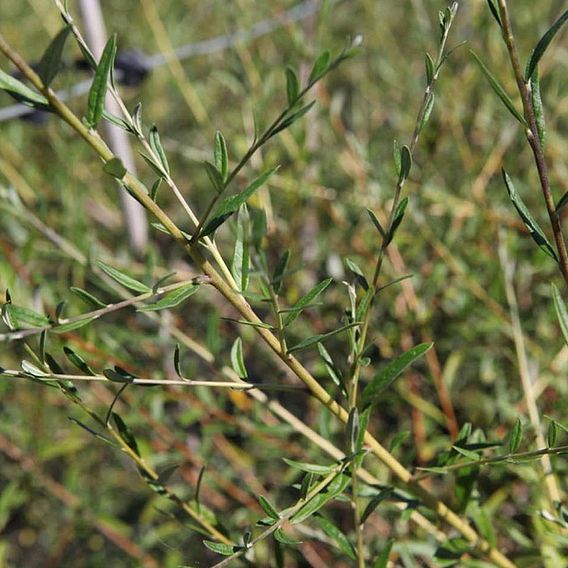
534 139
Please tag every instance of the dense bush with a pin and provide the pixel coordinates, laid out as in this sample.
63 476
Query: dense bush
340 344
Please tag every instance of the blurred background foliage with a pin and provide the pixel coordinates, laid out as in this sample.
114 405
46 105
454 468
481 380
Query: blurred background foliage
67 499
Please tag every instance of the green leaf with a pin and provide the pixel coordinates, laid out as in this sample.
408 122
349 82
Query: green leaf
375 502
499 90
240 263
562 202
237 359
397 219
353 429
279 271
335 488
292 118
115 168
220 547
335 534
536 232
318 338
333 371
427 111
172 299
156 145
292 86
117 121
24 317
87 297
122 278
118 375
396 157
405 162
78 361
311 467
543 44
214 177
125 433
377 223
22 92
97 92
231 204
538 108
387 376
495 12
221 156
282 537
516 436
382 559
429 68
552 434
268 508
306 300
561 311
72 325
321 66
356 270
50 62
470 455
31 369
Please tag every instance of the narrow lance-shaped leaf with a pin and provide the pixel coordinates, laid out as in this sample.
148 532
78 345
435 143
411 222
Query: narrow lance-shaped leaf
316 469
561 311
292 86
172 299
397 219
321 66
536 232
122 278
237 359
98 90
268 507
220 547
377 223
405 162
78 361
382 560
359 275
50 62
214 176
87 297
24 317
115 168
543 44
338 537
221 156
499 90
335 488
22 92
385 377
157 148
429 63
495 11
231 204
240 263
516 436
396 157
538 108
292 118
315 339
282 537
309 298
427 111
